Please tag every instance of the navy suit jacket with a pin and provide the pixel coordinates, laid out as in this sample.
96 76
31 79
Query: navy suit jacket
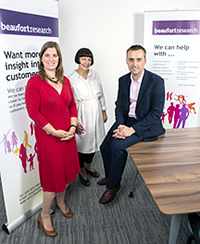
149 107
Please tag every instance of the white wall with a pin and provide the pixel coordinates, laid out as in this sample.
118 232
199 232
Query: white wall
108 28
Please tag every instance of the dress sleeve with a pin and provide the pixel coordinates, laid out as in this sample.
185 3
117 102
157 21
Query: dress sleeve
33 101
102 98
72 105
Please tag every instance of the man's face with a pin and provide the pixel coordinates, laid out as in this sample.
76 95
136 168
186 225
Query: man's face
136 62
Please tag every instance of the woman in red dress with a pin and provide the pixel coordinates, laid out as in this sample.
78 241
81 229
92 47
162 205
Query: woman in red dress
50 103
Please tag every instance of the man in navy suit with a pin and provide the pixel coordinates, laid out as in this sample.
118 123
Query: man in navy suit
139 106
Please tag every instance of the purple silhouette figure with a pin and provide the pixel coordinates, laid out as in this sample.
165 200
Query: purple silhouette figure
170 112
9 147
31 157
184 113
5 140
14 140
23 157
176 115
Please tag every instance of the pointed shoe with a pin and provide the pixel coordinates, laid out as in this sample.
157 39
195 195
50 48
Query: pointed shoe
103 181
109 195
68 214
51 233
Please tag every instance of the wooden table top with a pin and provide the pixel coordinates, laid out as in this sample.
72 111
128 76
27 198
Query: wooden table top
170 167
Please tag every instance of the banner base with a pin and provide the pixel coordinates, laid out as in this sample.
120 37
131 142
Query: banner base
8 228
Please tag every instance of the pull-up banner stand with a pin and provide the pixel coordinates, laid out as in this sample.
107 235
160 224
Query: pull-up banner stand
23 30
172 41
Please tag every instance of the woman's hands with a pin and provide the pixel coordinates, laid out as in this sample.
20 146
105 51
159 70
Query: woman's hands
80 128
105 117
64 135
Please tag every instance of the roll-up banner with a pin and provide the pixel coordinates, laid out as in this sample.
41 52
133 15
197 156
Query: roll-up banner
22 33
172 41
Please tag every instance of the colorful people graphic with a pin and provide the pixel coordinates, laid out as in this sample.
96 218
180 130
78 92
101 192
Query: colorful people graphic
163 117
31 157
9 147
14 140
181 99
32 128
176 115
12 146
5 141
170 112
23 157
26 140
169 96
191 108
184 113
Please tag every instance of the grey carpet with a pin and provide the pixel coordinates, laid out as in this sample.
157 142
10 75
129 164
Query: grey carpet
123 221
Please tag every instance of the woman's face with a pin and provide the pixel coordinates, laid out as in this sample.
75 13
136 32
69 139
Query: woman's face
85 63
50 59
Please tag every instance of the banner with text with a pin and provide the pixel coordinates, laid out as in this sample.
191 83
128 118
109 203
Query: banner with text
21 37
172 39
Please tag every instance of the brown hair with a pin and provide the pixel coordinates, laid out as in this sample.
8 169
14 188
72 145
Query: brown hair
59 68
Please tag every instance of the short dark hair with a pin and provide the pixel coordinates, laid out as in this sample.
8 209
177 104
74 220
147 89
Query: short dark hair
136 48
83 52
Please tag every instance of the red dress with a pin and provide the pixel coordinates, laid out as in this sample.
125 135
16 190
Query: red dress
58 160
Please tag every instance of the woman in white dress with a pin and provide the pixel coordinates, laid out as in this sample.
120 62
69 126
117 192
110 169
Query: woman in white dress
91 106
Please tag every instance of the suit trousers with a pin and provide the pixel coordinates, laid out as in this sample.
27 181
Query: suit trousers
114 154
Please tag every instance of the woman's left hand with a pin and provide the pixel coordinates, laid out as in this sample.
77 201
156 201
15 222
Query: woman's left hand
105 117
68 136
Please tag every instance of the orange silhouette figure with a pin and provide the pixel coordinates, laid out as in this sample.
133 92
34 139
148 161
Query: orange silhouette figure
191 108
26 140
181 99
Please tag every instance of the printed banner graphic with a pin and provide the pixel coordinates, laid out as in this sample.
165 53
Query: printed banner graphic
172 42
21 38
13 23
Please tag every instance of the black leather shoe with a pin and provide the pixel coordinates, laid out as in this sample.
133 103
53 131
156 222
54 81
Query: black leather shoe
93 174
103 181
83 181
109 195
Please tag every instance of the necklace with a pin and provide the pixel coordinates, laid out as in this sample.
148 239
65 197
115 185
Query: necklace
54 81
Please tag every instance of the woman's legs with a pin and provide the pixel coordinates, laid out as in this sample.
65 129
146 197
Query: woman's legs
81 157
85 164
61 202
88 160
45 214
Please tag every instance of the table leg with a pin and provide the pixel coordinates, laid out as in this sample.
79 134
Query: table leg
175 227
133 182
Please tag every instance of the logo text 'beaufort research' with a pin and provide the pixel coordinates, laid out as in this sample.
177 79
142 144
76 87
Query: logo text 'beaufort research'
176 27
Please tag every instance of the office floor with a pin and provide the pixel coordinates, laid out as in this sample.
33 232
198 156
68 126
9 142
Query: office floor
123 221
